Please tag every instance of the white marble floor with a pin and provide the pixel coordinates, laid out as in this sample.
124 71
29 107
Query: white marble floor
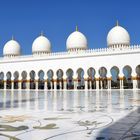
70 115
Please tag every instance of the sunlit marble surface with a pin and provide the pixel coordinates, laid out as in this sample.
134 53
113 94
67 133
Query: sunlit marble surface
70 115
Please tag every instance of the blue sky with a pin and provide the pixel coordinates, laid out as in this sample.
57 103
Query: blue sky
57 18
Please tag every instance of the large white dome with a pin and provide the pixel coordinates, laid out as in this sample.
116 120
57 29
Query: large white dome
11 48
118 36
76 40
41 45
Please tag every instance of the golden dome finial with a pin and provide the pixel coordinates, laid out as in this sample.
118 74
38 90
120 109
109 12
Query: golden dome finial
76 28
117 23
12 37
42 33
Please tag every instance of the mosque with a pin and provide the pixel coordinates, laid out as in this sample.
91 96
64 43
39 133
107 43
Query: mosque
114 67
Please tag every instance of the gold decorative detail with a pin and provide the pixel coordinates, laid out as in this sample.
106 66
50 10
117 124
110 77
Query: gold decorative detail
76 28
12 118
109 78
12 37
121 78
117 23
42 33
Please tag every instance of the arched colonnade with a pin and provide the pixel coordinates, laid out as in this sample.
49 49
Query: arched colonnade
102 78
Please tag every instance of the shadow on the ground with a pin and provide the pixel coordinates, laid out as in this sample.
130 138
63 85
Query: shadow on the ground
127 128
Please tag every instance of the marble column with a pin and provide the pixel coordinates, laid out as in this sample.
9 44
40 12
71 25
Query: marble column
19 82
55 81
5 82
28 82
45 82
109 81
135 86
12 83
75 81
134 78
121 83
121 80
64 81
86 87
97 81
97 84
64 84
36 82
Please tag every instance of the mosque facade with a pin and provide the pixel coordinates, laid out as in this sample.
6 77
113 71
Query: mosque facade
114 67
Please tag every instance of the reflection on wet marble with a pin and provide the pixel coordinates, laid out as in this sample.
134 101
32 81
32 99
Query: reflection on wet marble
62 115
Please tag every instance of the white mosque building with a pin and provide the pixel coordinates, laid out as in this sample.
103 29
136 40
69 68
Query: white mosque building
114 67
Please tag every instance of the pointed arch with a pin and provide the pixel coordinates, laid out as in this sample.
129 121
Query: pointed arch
32 80
41 81
80 79
50 80
115 81
8 81
70 81
24 80
59 82
127 79
103 78
16 76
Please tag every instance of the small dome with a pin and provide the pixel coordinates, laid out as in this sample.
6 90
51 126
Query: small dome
76 40
118 36
41 45
11 48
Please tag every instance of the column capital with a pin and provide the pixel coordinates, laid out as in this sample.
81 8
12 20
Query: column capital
36 78
85 75
109 75
97 75
134 74
20 77
121 74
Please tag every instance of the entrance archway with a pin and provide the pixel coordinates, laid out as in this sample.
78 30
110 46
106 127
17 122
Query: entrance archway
80 79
